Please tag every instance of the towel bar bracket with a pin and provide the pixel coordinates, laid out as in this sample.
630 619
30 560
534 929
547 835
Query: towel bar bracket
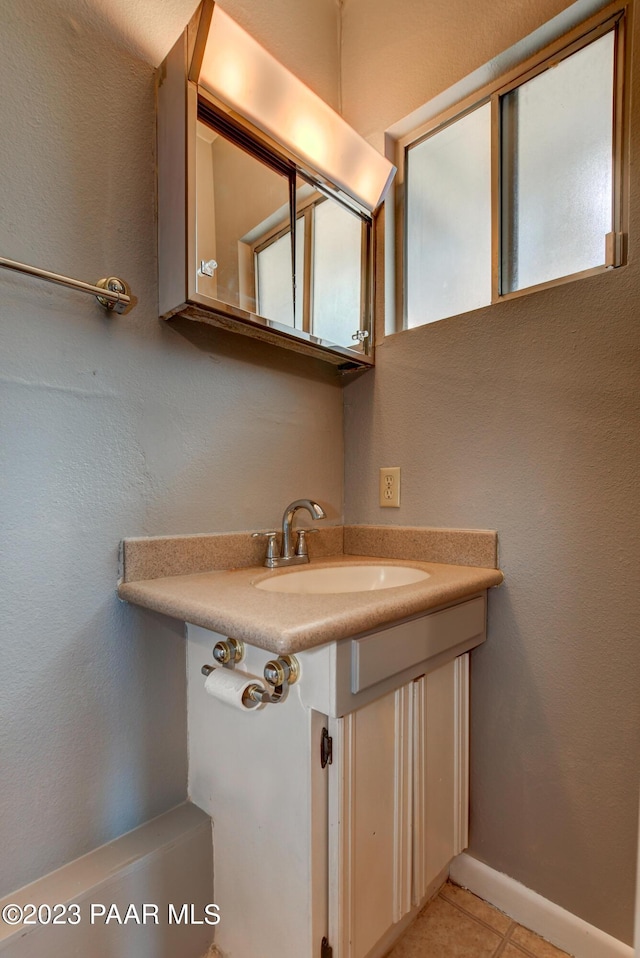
114 285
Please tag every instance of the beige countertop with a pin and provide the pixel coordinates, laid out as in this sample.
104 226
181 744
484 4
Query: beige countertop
228 603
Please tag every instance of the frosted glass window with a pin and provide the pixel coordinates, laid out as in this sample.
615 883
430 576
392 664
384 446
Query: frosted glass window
524 189
337 267
448 220
275 280
557 136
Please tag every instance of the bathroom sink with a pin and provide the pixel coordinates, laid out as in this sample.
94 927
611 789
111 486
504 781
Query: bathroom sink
343 578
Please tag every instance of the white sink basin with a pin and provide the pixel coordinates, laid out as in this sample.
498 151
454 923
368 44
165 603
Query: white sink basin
352 578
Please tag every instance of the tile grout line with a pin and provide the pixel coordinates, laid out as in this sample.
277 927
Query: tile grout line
480 921
505 941
531 954
519 946
506 937
525 948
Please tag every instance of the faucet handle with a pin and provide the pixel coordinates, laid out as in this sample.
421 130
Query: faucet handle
271 542
301 544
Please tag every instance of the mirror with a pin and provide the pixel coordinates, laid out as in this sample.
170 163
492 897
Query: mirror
240 201
305 267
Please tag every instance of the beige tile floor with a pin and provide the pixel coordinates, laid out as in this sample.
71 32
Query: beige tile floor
456 924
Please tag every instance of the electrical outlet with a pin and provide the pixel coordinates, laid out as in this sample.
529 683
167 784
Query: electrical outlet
390 486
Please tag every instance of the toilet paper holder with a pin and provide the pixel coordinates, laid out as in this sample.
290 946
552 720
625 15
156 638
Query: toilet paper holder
278 673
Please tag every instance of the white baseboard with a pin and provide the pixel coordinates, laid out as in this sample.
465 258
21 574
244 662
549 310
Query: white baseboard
560 927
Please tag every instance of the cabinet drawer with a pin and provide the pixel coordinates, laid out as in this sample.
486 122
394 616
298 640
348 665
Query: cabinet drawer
378 656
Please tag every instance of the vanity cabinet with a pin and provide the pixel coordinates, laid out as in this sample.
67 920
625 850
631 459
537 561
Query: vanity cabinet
345 853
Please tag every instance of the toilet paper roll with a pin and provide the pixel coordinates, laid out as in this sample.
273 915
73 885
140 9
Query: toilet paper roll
228 686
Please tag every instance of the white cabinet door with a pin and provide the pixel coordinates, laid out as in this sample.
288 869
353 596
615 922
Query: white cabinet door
398 799
370 799
440 771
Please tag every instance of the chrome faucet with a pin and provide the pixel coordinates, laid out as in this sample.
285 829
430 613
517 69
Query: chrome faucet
289 555
316 511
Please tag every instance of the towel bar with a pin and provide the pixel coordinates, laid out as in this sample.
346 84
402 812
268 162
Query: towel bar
111 292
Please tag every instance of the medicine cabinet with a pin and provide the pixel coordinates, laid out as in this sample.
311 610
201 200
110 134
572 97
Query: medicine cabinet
252 236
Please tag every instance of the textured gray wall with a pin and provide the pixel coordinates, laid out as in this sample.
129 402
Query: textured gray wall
111 427
522 417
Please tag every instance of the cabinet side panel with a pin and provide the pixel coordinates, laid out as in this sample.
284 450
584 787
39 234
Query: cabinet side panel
255 773
172 124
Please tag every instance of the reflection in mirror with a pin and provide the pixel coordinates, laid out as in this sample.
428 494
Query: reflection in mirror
339 259
274 278
278 297
329 266
245 253
241 201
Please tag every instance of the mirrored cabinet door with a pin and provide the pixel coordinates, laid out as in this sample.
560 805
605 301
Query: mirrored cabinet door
243 229
254 235
271 243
